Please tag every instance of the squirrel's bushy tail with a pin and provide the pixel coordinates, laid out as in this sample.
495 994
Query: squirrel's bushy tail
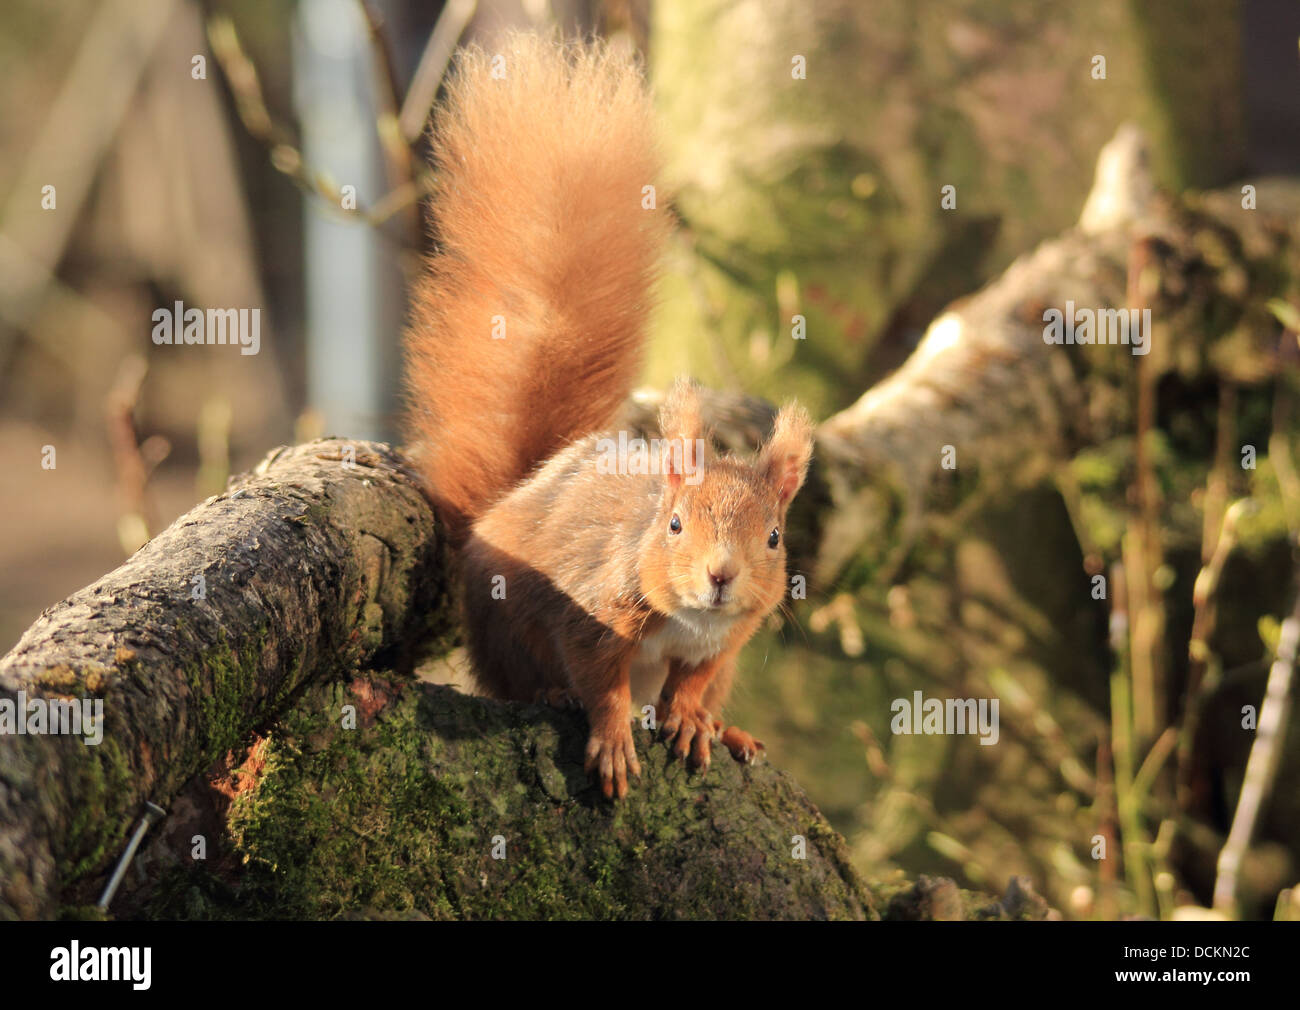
527 326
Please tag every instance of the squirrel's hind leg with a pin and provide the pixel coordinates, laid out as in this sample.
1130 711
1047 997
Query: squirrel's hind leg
743 747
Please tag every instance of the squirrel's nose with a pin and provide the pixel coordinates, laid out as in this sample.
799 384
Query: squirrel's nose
722 571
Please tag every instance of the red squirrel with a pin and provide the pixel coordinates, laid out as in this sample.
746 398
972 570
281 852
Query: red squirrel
580 584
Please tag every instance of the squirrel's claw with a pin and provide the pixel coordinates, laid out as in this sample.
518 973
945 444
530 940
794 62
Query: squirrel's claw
691 733
610 757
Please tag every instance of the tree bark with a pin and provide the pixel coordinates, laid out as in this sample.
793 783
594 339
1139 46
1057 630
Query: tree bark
322 560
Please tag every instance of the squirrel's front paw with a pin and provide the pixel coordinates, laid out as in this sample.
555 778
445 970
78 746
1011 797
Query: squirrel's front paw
690 730
610 756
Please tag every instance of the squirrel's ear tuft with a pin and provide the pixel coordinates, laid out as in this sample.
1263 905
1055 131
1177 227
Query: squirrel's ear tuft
784 458
682 429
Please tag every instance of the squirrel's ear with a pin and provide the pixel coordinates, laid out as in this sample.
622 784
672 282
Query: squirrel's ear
784 458
682 429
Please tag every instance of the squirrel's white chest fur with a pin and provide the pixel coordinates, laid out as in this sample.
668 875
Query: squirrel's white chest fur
689 635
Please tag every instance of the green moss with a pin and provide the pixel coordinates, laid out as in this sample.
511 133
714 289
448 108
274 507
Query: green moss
82 913
406 814
101 777
372 627
223 682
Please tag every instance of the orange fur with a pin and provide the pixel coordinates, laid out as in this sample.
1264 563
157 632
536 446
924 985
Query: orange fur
540 224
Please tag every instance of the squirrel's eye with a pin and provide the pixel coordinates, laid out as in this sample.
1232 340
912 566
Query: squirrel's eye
675 524
774 539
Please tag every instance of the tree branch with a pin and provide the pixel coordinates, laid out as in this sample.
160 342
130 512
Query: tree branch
322 560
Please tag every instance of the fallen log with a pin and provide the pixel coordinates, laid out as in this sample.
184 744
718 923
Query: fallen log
320 561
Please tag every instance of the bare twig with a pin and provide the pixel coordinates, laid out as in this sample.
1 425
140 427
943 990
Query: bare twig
1142 544
1201 672
399 166
134 461
285 152
1216 485
1265 752
1127 804
1107 810
434 60
1261 766
397 153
